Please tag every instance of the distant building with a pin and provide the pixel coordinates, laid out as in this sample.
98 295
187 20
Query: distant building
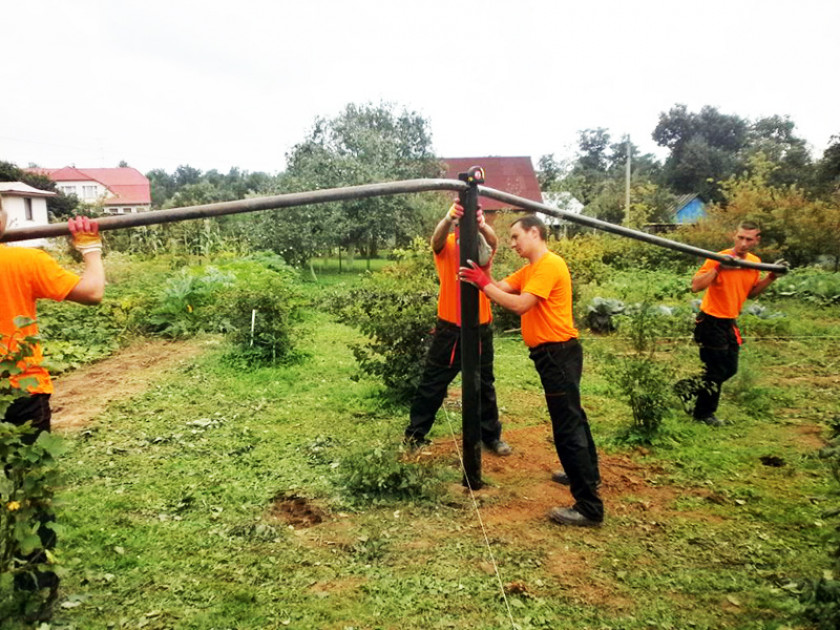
122 190
514 175
26 207
564 201
688 209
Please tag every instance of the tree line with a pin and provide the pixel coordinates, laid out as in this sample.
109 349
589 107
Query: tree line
709 152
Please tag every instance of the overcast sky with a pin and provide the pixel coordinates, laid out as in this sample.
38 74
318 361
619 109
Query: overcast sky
220 84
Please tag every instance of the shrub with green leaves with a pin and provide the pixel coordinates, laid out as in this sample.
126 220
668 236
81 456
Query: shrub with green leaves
377 473
74 336
184 305
260 319
396 310
28 477
643 381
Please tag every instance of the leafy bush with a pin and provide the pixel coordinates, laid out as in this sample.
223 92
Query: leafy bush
184 305
396 309
27 481
759 321
272 307
378 473
74 336
641 379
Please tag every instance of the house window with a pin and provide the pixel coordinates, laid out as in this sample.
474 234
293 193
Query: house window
68 190
89 192
28 208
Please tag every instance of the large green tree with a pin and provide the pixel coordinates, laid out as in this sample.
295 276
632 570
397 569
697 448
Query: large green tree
705 149
362 145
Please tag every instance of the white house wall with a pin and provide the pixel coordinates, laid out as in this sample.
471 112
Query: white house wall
16 209
87 191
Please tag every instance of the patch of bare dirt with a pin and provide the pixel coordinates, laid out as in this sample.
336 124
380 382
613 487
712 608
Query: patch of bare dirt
519 489
82 395
296 511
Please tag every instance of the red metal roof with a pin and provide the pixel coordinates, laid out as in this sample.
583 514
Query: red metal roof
514 175
129 186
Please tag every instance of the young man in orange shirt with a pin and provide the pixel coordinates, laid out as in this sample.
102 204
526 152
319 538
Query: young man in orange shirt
27 275
716 331
443 361
541 293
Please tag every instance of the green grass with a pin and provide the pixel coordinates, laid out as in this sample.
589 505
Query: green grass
168 503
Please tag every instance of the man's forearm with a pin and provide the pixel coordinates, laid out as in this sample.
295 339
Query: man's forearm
519 303
703 281
758 289
438 239
489 236
91 286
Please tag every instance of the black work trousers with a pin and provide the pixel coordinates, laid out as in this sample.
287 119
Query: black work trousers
443 362
35 409
719 347
560 366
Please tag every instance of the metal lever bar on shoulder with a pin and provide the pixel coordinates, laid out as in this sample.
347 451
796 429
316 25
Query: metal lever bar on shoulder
604 226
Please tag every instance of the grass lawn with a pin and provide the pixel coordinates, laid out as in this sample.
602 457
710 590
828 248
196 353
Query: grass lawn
219 497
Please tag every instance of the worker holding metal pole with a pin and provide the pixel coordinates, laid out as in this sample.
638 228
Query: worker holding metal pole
27 275
716 330
541 293
445 357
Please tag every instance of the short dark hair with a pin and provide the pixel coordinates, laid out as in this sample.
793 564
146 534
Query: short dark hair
529 221
749 225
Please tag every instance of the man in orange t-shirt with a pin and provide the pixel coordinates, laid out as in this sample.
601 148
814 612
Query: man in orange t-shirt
27 275
541 293
716 331
443 361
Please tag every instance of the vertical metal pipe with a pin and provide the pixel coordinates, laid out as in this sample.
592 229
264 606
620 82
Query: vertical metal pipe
470 376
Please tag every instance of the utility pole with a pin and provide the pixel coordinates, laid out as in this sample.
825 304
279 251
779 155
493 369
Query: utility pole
627 186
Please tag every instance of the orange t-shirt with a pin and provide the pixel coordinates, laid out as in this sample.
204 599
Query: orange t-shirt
25 276
729 290
449 301
551 319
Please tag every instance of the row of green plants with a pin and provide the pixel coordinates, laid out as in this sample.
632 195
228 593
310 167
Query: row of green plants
255 301
27 486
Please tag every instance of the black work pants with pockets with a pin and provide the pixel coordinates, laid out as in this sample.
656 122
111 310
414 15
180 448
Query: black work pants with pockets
719 349
443 363
560 366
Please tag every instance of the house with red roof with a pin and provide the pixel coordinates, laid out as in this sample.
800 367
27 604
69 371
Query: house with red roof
514 175
122 190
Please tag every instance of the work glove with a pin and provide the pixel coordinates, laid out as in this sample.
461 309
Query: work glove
475 275
781 262
728 263
455 212
85 233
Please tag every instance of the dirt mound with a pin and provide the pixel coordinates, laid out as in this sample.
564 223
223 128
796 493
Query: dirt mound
85 393
296 511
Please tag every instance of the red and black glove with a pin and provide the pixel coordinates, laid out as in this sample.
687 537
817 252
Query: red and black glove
475 275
